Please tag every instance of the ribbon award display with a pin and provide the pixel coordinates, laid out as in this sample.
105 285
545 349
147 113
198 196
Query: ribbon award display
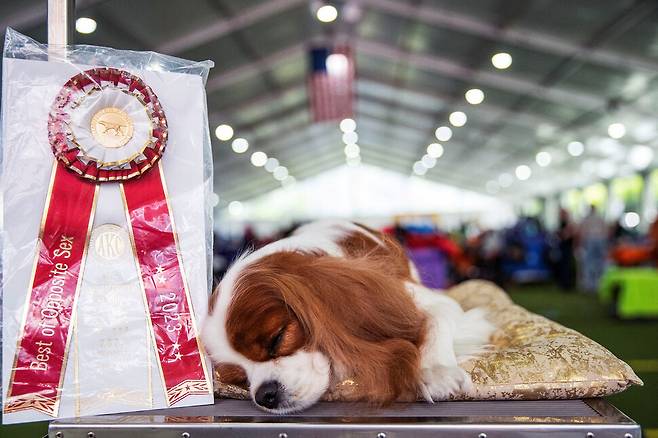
105 126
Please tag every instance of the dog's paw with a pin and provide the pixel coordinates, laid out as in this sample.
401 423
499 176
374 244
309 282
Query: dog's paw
440 382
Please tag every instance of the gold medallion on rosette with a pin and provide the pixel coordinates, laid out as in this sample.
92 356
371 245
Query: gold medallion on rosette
112 127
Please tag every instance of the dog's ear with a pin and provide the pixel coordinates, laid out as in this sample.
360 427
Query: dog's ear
360 315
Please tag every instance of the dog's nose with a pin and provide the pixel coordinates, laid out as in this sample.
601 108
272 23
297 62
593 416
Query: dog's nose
268 394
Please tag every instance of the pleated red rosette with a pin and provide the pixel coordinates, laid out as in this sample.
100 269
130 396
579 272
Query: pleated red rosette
105 125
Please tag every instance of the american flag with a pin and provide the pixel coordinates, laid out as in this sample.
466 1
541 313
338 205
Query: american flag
330 83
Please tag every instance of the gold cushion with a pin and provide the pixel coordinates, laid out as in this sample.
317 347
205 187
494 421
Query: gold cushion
532 357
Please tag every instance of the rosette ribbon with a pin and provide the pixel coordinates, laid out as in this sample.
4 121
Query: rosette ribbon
105 126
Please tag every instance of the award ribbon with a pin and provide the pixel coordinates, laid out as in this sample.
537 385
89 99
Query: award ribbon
105 125
39 363
163 283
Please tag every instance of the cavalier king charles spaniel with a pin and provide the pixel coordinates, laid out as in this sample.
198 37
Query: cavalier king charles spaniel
333 301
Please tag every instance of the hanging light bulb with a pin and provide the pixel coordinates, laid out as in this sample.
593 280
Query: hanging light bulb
474 96
457 119
327 13
435 150
543 158
259 159
523 172
347 125
240 145
224 132
443 133
501 60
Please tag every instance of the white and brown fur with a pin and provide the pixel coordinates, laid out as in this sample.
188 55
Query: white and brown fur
337 300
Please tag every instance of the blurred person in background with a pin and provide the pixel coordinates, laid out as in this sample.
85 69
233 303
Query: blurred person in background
492 250
592 242
565 263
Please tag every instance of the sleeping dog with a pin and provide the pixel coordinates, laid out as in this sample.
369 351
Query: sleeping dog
337 300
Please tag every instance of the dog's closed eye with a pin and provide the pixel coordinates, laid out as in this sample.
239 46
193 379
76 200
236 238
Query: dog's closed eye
275 342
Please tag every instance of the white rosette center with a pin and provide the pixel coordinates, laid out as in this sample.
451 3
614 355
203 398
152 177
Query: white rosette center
111 127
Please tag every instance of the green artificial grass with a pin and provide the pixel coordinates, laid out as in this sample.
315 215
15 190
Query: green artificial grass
636 342
633 341
28 430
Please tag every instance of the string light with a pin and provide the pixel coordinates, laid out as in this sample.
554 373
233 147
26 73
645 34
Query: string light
640 156
616 130
259 159
458 119
326 13
435 150
337 64
474 96
543 158
428 162
235 208
350 137
240 145
575 148
353 161
501 60
443 133
419 169
523 172
271 164
352 150
280 173
224 132
85 25
631 219
214 199
347 125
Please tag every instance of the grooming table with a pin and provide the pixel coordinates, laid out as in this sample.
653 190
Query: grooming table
481 419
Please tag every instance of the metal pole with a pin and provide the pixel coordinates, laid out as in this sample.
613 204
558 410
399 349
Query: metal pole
61 22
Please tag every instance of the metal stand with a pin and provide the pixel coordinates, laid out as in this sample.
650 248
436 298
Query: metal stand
61 22
483 419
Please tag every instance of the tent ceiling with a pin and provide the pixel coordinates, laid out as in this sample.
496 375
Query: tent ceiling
577 66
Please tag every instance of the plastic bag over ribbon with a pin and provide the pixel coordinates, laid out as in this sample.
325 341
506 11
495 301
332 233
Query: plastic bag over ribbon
106 230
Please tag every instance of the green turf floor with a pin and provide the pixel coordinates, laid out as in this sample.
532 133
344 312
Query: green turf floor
633 341
636 342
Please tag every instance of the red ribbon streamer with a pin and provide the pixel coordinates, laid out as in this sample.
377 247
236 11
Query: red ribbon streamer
40 361
160 268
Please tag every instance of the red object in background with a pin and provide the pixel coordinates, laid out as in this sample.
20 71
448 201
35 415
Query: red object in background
435 241
331 82
638 254
442 242
631 255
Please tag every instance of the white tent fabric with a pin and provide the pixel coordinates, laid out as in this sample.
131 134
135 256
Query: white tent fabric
371 194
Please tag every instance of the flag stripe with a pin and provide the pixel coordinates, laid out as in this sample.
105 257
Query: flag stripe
331 94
